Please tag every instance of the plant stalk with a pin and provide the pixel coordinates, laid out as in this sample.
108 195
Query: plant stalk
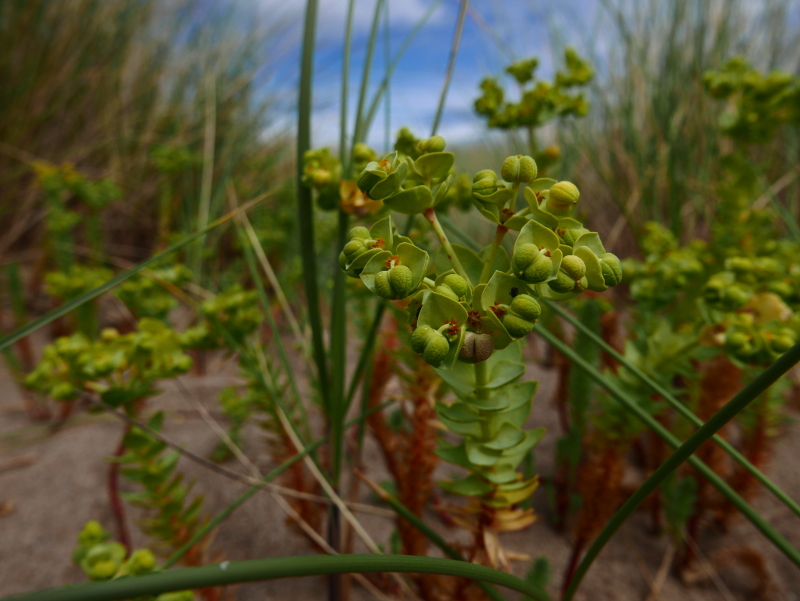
430 215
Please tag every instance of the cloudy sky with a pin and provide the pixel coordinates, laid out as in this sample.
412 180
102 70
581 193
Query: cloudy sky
492 37
495 33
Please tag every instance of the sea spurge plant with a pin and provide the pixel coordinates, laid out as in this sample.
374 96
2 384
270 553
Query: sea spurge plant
101 559
539 102
120 367
758 104
152 294
235 310
469 311
173 517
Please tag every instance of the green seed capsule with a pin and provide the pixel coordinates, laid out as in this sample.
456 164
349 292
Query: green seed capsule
573 266
563 283
401 281
517 326
431 344
420 337
434 144
353 249
612 269
446 291
524 256
456 283
436 349
485 183
526 307
562 198
571 236
383 286
519 169
538 271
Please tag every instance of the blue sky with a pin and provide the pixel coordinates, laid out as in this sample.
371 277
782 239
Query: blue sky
417 81
495 32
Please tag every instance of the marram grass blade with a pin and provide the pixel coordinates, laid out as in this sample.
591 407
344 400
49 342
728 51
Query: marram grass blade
678 406
232 572
118 279
746 396
305 207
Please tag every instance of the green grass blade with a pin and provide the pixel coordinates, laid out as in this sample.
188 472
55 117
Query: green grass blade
249 256
746 396
451 63
118 279
751 514
373 107
360 127
226 513
305 208
678 406
348 38
232 572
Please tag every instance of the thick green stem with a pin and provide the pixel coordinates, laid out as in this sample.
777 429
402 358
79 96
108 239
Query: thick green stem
482 393
499 234
430 215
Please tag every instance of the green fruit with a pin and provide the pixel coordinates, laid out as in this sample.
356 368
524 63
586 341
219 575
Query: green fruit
446 291
485 183
434 144
436 349
516 326
353 249
519 169
563 283
401 281
420 338
562 198
524 256
526 307
538 271
457 284
611 268
383 286
573 266
431 344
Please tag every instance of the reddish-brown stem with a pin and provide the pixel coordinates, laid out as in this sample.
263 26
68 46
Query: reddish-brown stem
577 549
117 508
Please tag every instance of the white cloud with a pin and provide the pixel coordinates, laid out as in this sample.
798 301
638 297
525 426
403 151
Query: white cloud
332 15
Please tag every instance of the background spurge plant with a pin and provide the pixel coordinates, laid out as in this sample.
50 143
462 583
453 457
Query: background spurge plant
470 311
